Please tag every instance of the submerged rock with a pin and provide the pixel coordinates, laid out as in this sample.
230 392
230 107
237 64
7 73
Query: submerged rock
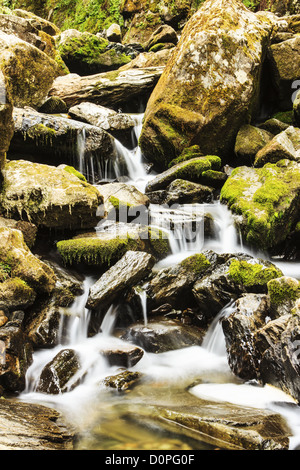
130 270
209 87
48 196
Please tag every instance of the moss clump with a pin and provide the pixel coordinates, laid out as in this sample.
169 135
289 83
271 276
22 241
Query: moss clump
196 263
285 116
72 171
118 204
252 274
187 154
284 289
5 271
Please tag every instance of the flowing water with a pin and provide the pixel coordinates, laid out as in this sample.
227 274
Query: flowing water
104 418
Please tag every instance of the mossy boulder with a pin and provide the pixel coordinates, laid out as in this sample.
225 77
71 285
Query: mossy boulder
19 262
87 54
48 196
56 377
190 170
15 294
106 248
249 141
6 119
29 70
206 101
252 274
283 145
283 293
266 201
296 110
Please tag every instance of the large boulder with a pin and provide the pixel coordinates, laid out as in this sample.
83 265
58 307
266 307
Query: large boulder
29 70
48 196
6 119
116 89
210 86
266 201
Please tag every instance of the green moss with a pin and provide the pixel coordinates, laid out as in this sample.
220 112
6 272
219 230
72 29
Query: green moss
285 116
252 274
187 154
118 204
71 169
196 263
5 271
159 242
41 134
283 289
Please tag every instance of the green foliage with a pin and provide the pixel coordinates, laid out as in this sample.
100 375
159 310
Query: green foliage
5 271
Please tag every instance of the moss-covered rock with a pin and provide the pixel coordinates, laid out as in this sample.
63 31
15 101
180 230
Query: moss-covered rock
267 201
29 70
15 294
190 170
87 54
6 119
206 101
48 196
249 141
284 290
283 145
252 274
19 262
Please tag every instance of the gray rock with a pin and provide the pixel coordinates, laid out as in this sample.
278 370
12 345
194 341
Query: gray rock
130 270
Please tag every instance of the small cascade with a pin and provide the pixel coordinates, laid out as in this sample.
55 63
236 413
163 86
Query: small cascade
142 294
214 340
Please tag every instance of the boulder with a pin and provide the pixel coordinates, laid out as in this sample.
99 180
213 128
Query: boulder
54 140
163 335
16 357
116 89
114 33
48 196
87 54
16 256
285 63
16 294
121 195
284 292
238 275
162 35
28 230
283 145
105 247
210 64
128 271
190 170
249 141
296 110
6 119
41 24
123 381
185 192
266 201
123 355
58 376
250 313
30 71
119 125
28 426
149 59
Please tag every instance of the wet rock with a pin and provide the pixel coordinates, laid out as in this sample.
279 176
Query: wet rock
122 355
283 292
31 80
296 110
15 254
185 192
117 89
118 196
163 335
48 196
249 314
28 230
27 426
173 285
266 201
190 170
249 141
6 119
173 118
130 270
149 59
15 357
16 294
123 381
119 125
54 140
58 376
240 274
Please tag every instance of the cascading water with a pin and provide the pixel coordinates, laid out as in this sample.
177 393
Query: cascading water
185 226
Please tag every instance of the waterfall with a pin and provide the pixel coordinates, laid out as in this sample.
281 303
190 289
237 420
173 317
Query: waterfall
142 294
214 340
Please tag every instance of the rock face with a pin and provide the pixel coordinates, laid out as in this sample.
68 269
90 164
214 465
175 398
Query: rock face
6 119
267 201
218 60
58 375
33 427
115 89
48 196
131 269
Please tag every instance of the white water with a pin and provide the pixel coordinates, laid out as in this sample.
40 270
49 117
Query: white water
208 362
